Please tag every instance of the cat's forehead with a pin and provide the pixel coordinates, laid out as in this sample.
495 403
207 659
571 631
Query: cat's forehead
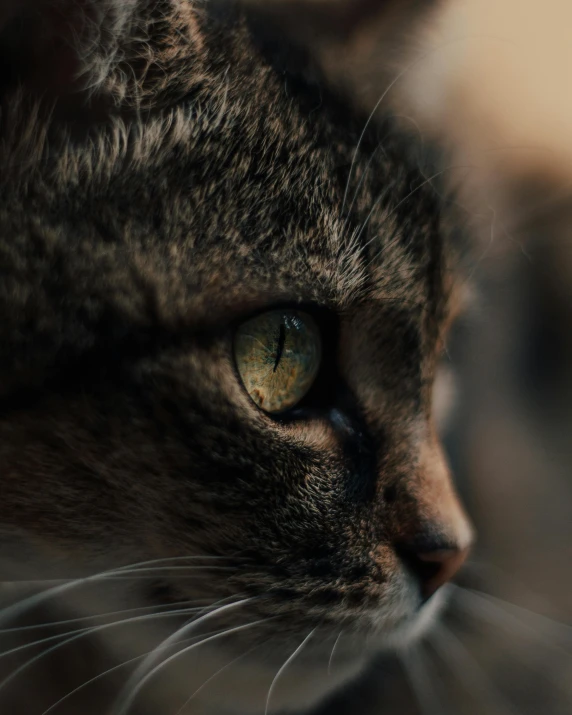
300 210
279 235
319 227
252 189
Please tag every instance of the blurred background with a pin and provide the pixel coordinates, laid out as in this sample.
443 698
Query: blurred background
491 81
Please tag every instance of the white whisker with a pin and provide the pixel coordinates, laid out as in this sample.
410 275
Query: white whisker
384 94
148 667
421 684
212 677
389 87
504 613
93 616
544 622
97 677
148 572
91 629
375 204
331 658
41 641
77 635
468 670
358 187
283 668
142 682
22 606
481 607
124 573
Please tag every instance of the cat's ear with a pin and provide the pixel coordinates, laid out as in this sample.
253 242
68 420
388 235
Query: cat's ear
60 47
121 51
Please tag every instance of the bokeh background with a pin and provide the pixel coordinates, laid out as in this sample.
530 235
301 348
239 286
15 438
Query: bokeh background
491 80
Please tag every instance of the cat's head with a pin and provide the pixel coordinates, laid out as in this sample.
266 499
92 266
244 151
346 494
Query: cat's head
224 298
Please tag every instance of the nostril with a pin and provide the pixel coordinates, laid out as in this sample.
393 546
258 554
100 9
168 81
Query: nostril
434 568
447 563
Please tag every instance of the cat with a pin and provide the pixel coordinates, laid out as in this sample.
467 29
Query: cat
224 296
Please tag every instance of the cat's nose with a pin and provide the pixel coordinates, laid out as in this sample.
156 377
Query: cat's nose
434 568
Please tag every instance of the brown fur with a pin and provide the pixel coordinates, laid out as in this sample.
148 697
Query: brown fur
194 180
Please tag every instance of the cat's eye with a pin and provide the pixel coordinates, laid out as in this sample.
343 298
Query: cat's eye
278 355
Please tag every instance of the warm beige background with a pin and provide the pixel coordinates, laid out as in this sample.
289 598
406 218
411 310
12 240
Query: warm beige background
498 73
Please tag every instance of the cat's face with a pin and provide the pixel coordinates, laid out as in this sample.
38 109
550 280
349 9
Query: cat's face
135 254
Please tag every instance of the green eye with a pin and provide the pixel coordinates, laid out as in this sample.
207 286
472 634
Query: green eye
278 357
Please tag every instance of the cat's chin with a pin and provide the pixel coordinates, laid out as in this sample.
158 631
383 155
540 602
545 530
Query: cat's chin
415 628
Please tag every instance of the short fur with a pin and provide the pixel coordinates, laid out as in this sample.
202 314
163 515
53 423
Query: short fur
185 179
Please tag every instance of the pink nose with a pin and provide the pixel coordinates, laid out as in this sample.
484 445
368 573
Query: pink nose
435 568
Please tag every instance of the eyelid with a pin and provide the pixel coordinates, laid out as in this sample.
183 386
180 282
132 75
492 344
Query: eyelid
245 311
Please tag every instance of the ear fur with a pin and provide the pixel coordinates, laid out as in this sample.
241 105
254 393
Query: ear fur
100 52
137 54
60 46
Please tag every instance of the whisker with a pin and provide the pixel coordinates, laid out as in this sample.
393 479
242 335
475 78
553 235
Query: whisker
158 569
38 598
384 94
491 613
136 574
421 684
283 668
148 667
546 622
389 87
213 676
99 676
375 204
124 707
141 575
77 635
331 658
131 576
128 573
501 610
468 670
358 187
90 629
41 641
93 616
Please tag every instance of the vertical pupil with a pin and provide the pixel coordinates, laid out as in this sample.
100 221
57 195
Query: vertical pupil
280 346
